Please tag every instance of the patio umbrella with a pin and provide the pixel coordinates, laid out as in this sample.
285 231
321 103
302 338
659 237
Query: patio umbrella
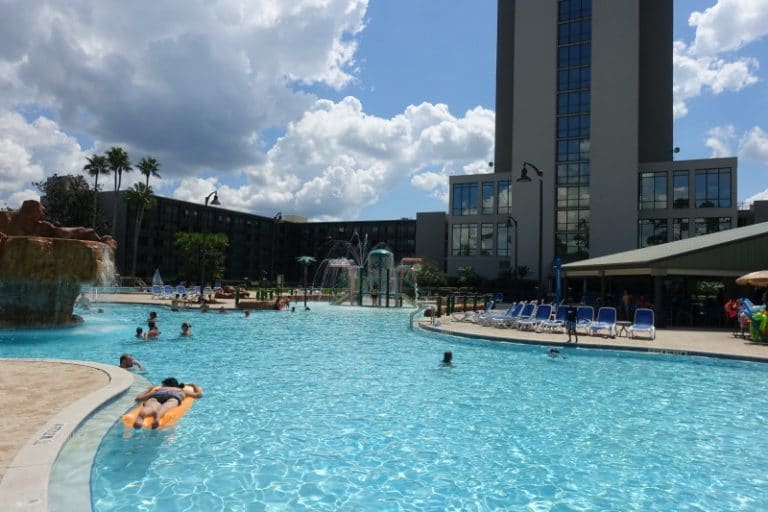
156 279
759 278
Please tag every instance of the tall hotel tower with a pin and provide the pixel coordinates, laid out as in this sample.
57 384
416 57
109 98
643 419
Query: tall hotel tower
583 95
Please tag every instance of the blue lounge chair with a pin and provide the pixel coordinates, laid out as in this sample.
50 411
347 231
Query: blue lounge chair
585 315
556 323
167 291
181 291
509 314
157 291
644 323
527 312
543 312
606 321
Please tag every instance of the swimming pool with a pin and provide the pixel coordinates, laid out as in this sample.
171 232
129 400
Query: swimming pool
346 409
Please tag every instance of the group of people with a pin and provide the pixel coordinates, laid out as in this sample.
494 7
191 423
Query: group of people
153 331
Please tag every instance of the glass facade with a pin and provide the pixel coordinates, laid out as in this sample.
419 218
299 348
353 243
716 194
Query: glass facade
489 196
464 199
464 239
652 232
486 239
713 188
680 229
504 197
680 190
504 237
706 225
573 145
653 190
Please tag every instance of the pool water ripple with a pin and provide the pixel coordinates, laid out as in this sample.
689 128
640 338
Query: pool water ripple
346 409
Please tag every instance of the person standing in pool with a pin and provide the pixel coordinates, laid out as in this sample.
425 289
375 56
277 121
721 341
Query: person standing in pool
127 361
447 358
186 329
571 317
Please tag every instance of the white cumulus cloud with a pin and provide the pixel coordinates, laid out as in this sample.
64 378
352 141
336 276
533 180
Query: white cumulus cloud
32 151
729 25
754 145
719 140
337 159
708 63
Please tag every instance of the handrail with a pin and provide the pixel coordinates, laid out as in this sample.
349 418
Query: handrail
423 306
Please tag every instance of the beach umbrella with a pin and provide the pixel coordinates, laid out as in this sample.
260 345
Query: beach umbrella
758 278
156 279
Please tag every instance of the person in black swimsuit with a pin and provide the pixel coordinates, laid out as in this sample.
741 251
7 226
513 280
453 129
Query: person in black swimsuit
158 400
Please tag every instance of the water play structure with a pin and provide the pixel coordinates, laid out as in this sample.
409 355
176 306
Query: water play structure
358 276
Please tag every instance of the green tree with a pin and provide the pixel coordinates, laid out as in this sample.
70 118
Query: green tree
140 198
306 261
190 250
466 276
68 201
118 164
430 275
97 164
148 166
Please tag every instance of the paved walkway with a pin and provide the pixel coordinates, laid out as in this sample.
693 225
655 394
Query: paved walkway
705 342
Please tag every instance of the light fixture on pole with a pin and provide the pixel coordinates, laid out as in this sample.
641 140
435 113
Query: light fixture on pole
215 202
524 178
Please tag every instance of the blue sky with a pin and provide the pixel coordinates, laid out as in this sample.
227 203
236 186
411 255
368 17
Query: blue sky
331 109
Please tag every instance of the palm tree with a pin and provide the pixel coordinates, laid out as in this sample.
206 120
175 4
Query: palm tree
97 164
148 166
306 261
118 164
140 197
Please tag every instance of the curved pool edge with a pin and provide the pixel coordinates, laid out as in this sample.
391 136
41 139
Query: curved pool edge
472 331
26 481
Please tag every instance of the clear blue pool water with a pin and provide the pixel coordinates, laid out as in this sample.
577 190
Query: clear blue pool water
346 409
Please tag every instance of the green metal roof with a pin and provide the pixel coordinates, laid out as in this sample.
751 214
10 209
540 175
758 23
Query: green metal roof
647 256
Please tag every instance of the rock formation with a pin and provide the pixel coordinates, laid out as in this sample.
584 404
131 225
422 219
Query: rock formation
42 267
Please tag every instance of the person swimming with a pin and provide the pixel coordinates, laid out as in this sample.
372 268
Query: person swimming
186 329
127 361
554 353
158 400
447 358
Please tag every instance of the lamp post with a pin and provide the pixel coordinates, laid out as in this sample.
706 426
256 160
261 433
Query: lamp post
524 178
512 222
215 202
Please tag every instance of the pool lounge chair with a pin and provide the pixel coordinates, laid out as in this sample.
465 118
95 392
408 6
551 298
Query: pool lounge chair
528 311
157 291
543 312
606 321
556 323
644 323
168 291
585 315
470 315
500 320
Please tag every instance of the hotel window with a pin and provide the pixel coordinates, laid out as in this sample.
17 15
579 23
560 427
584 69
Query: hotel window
713 188
680 229
464 199
504 237
486 239
488 197
652 232
706 225
464 240
680 191
504 198
653 190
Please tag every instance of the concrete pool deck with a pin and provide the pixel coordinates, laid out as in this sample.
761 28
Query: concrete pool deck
31 438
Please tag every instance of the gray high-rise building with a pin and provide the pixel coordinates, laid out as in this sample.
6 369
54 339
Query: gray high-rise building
584 104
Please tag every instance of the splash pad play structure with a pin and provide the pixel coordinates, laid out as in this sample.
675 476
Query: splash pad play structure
360 277
43 266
